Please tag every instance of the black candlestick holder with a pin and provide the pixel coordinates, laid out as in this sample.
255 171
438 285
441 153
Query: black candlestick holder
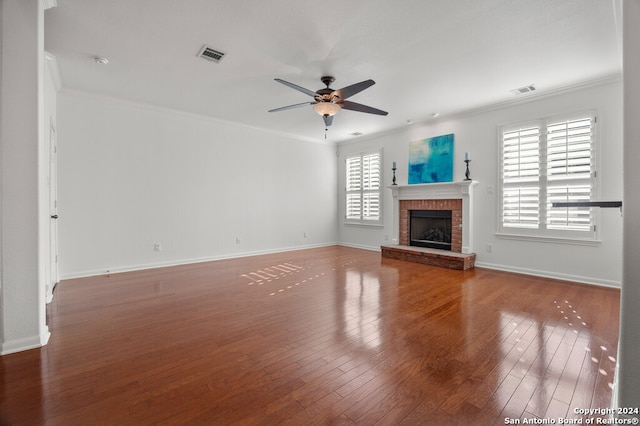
394 176
467 174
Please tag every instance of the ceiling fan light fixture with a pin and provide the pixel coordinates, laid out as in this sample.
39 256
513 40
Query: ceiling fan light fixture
326 109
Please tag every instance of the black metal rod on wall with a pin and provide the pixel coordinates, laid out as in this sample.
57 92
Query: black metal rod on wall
603 204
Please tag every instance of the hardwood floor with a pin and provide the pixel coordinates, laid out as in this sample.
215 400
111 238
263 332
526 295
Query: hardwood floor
332 335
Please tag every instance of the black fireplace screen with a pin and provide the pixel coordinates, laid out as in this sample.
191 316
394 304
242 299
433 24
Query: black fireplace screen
430 228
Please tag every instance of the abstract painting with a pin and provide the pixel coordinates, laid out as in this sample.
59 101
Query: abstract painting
431 160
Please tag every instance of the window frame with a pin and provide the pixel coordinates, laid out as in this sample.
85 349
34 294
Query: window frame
362 192
544 231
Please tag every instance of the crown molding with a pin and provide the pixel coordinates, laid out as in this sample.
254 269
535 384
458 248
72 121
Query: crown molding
523 99
162 109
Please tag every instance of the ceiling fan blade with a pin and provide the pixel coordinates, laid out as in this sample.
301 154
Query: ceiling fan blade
347 92
291 106
298 88
328 119
353 106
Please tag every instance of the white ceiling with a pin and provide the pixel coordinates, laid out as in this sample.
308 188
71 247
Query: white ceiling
426 56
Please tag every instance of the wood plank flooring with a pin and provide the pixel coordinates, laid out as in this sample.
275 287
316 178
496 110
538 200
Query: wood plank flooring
332 335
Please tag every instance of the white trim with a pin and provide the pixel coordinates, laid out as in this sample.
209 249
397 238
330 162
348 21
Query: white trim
49 296
188 114
438 191
364 225
616 379
360 246
607 79
179 262
534 96
19 345
520 99
546 274
548 239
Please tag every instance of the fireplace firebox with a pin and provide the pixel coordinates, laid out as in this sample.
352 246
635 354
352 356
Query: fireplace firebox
430 228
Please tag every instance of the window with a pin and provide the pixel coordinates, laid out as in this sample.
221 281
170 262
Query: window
544 162
363 188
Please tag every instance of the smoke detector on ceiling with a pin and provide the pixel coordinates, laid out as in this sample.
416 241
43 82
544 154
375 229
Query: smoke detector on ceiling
100 60
210 54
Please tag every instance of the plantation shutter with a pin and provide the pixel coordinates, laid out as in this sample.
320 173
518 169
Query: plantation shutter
354 186
569 171
363 187
371 187
545 162
521 177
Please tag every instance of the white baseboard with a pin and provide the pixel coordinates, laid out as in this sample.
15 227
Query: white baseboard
499 267
360 246
526 271
615 397
178 262
555 275
49 295
26 343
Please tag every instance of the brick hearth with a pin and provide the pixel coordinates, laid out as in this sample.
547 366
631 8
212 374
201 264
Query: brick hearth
429 256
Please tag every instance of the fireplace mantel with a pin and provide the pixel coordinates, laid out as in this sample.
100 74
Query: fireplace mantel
438 191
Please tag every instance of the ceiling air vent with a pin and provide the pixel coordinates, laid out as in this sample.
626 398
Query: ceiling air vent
211 54
524 89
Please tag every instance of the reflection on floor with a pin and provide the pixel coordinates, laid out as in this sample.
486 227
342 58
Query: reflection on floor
328 335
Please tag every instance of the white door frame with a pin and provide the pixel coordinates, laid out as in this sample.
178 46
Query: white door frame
54 277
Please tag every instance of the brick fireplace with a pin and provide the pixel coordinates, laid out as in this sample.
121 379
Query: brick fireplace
455 206
456 197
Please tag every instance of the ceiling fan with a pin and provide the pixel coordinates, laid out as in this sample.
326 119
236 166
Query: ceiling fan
328 101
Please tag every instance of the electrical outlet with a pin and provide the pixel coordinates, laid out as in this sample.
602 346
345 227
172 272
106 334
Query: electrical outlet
304 234
157 247
489 248
237 240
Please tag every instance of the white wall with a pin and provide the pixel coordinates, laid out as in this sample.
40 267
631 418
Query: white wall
628 374
22 260
132 175
477 133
